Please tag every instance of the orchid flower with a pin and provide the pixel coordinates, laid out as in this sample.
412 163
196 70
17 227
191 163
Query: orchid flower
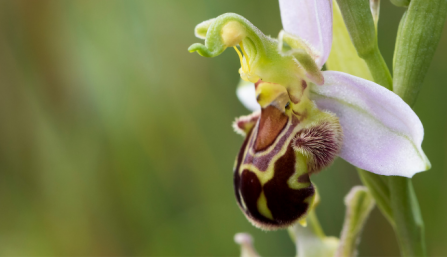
304 117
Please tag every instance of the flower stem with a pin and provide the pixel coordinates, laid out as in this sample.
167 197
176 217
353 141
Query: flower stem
310 240
359 203
380 191
378 68
407 216
314 224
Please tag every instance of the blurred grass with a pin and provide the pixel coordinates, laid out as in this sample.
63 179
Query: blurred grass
114 140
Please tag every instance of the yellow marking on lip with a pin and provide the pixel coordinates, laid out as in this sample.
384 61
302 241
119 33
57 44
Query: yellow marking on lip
265 176
300 165
303 222
263 208
244 206
310 201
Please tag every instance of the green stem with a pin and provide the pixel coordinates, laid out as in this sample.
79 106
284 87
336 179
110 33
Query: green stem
380 191
407 215
314 224
419 32
310 240
359 203
379 69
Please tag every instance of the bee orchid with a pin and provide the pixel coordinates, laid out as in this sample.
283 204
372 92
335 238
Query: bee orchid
304 117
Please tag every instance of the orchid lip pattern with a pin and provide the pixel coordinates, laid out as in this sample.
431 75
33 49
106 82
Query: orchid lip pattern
307 116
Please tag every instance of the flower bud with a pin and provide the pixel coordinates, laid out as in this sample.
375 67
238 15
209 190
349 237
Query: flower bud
359 204
401 3
246 242
418 36
375 10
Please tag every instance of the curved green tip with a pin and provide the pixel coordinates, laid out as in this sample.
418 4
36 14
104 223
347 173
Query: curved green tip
201 49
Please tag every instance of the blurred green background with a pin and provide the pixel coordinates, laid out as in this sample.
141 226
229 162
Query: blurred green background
114 140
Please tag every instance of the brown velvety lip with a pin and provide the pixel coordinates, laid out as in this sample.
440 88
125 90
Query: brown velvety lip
271 124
